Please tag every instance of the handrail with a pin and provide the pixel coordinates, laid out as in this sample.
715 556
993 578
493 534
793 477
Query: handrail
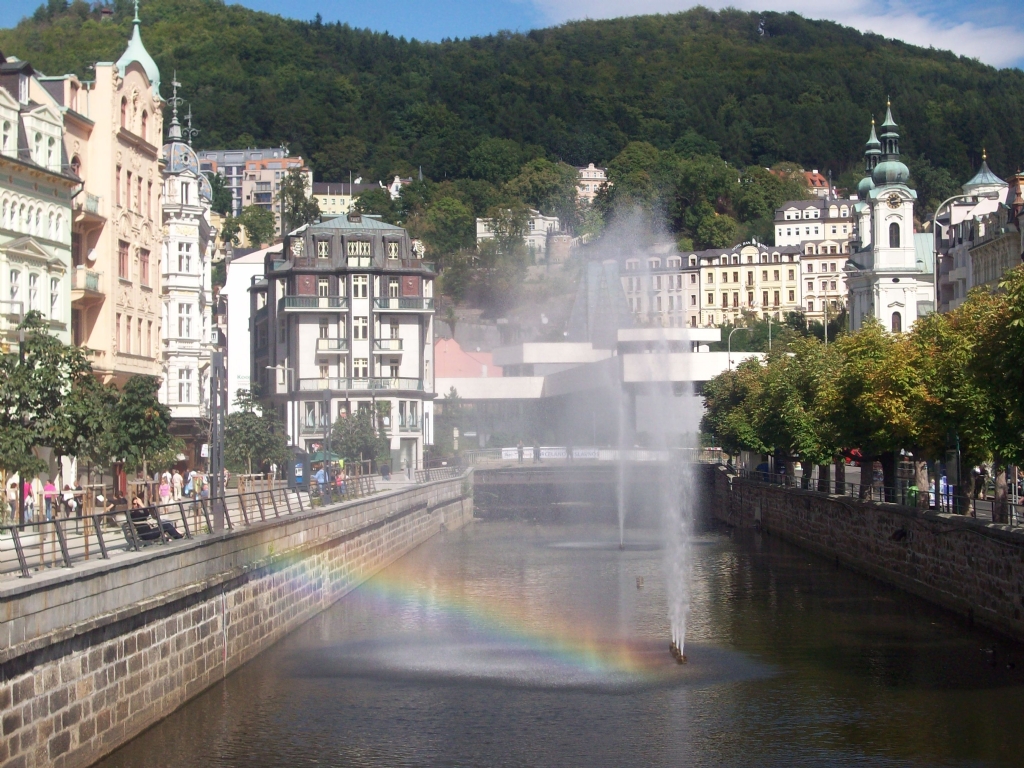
66 541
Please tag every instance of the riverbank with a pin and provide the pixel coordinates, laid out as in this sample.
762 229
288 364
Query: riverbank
969 566
96 654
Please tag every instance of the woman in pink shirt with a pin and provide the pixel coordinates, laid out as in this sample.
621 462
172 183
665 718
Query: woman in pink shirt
165 491
49 494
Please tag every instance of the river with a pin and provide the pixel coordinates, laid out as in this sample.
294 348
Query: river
517 644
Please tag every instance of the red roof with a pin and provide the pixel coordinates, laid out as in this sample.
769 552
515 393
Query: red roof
815 179
452 362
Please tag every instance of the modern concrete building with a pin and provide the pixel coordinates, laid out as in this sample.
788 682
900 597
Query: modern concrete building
889 270
113 129
186 289
37 185
344 321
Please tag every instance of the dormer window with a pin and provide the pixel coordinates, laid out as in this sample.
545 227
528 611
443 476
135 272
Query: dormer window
323 249
6 143
392 249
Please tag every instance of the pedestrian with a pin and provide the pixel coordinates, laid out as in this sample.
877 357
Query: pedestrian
49 494
177 482
536 451
190 485
30 501
519 451
165 489
12 500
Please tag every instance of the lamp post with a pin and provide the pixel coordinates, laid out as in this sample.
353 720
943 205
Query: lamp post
935 223
730 343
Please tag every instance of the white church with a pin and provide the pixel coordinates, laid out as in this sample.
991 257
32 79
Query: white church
889 272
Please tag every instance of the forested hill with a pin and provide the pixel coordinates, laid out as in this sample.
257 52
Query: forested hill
353 99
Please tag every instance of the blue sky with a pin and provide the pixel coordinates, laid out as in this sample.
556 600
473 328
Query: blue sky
989 30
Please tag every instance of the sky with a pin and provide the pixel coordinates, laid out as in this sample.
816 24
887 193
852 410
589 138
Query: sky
989 30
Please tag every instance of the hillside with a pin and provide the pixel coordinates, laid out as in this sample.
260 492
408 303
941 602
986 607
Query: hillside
375 104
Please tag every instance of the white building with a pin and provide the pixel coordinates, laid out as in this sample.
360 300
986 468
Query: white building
591 180
539 231
890 269
186 282
242 273
818 226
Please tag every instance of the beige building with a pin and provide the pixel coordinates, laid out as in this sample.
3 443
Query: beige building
591 179
749 277
113 132
662 287
336 199
36 189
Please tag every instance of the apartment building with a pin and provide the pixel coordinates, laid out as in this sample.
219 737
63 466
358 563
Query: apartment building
186 289
231 163
36 190
336 199
818 225
344 322
749 277
540 230
662 287
113 130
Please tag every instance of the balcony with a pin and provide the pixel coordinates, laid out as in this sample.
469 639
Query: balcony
387 345
331 346
348 384
85 287
312 303
405 303
406 264
87 208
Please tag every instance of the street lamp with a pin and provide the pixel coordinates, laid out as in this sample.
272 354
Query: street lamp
730 342
935 223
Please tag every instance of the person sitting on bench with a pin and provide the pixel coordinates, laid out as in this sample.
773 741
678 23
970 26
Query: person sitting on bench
143 521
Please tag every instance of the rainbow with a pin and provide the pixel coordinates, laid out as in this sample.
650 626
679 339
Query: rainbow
513 622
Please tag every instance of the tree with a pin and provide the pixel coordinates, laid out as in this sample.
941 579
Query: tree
452 318
81 427
446 226
357 438
340 157
222 201
253 435
550 188
298 207
729 402
258 224
495 160
140 424
716 231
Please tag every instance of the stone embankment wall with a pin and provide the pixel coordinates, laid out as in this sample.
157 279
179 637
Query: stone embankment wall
92 656
970 566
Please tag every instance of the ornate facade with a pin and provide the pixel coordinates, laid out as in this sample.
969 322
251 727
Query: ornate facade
112 126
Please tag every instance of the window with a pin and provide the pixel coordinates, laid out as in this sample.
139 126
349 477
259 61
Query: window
184 192
693 278
894 242
323 287
117 186
764 274
15 284
735 299
128 191
693 300
184 385
33 291
750 298
659 303
324 370
323 249
185 257
51 147
55 298
122 260
776 297
184 321
124 112
392 249
657 283
725 300
358 247
117 333
138 336
810 266
832 267
711 277
790 275
394 287
360 368
359 327
310 418
791 296
149 338
5 142
764 298
360 286
711 298
144 266
325 329
149 200
897 319
394 329
775 275
824 285
145 124
393 366
810 306
832 285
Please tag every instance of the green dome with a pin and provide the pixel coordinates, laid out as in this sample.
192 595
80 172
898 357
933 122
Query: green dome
891 172
136 53
865 186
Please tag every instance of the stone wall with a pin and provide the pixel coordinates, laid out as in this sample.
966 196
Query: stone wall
146 636
969 566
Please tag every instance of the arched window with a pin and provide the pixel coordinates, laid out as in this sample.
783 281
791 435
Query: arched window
39 148
52 233
59 233
124 112
894 235
76 166
51 146
6 137
145 122
897 322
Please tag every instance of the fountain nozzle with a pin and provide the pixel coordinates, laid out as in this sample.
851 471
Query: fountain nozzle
677 654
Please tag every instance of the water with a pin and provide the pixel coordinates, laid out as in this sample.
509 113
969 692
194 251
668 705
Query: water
512 644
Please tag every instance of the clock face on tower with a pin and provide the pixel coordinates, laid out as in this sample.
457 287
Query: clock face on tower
894 201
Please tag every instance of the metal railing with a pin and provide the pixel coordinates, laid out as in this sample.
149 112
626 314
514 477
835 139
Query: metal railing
312 302
387 345
904 494
375 384
591 453
437 473
400 264
332 345
354 487
405 302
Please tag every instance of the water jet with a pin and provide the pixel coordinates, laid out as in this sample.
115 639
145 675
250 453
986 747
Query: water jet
677 654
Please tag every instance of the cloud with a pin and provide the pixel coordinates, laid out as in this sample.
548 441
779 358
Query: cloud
912 22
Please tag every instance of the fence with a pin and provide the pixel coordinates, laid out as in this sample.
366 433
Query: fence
589 453
99 533
438 473
903 494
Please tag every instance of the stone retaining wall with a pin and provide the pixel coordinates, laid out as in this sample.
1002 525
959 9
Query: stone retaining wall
148 635
969 566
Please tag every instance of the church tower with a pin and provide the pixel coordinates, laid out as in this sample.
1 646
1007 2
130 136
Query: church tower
890 274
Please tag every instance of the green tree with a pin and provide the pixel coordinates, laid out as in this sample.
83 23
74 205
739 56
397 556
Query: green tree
340 157
298 206
258 224
550 188
446 226
730 403
222 201
379 202
140 424
717 231
495 160
253 435
359 437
